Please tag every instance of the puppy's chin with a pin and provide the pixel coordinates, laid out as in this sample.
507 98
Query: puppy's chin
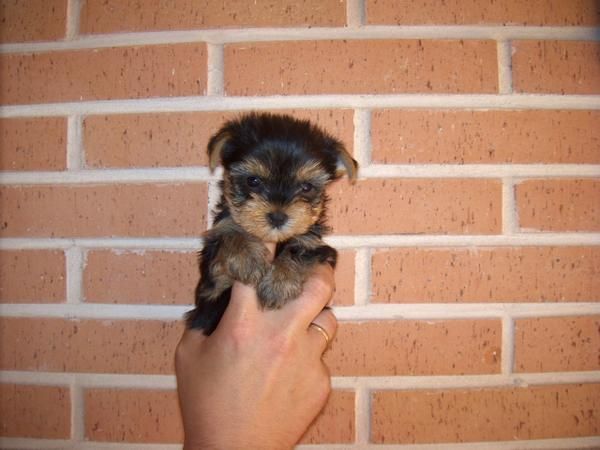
252 216
279 234
266 233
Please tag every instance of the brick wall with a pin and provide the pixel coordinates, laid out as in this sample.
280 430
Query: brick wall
469 281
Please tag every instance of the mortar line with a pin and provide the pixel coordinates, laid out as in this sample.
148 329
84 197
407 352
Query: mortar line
374 312
309 101
62 444
507 361
441 382
591 442
362 411
91 380
362 276
73 20
495 171
504 53
510 222
470 311
75 156
365 32
509 173
166 244
77 412
355 13
98 176
337 241
365 384
362 137
75 261
215 84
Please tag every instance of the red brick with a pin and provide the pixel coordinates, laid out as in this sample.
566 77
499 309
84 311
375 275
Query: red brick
32 20
106 346
33 143
335 423
435 206
502 414
360 67
153 277
152 416
485 137
132 416
489 12
344 279
100 16
140 140
412 347
103 74
527 274
42 412
103 210
140 277
32 276
557 344
559 205
556 67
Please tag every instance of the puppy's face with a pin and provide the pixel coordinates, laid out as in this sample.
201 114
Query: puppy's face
275 196
276 172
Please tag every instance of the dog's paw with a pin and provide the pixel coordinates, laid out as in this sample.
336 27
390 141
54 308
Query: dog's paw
250 264
280 284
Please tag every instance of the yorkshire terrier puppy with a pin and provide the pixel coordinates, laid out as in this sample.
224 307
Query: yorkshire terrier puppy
276 169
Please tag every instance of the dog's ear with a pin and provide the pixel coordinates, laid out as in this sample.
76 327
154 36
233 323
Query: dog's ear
345 163
216 145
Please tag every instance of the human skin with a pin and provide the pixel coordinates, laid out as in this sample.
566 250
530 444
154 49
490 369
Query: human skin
258 381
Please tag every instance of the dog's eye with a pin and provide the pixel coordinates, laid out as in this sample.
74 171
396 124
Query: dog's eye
253 182
306 187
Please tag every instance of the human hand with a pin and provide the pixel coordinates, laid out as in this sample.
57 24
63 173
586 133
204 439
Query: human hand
258 381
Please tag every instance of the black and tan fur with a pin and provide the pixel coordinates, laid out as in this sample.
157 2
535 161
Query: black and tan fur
276 169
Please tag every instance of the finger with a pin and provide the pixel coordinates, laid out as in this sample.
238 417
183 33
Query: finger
322 330
271 247
243 306
190 342
316 294
192 337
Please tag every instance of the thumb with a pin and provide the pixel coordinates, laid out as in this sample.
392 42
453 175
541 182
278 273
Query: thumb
243 308
271 247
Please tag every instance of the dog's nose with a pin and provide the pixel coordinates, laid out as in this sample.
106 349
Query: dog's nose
277 218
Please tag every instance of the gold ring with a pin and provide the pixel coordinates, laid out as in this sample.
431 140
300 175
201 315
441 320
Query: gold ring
321 330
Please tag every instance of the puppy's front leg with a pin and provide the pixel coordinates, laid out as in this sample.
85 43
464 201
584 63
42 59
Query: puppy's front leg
288 272
243 257
240 256
282 282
